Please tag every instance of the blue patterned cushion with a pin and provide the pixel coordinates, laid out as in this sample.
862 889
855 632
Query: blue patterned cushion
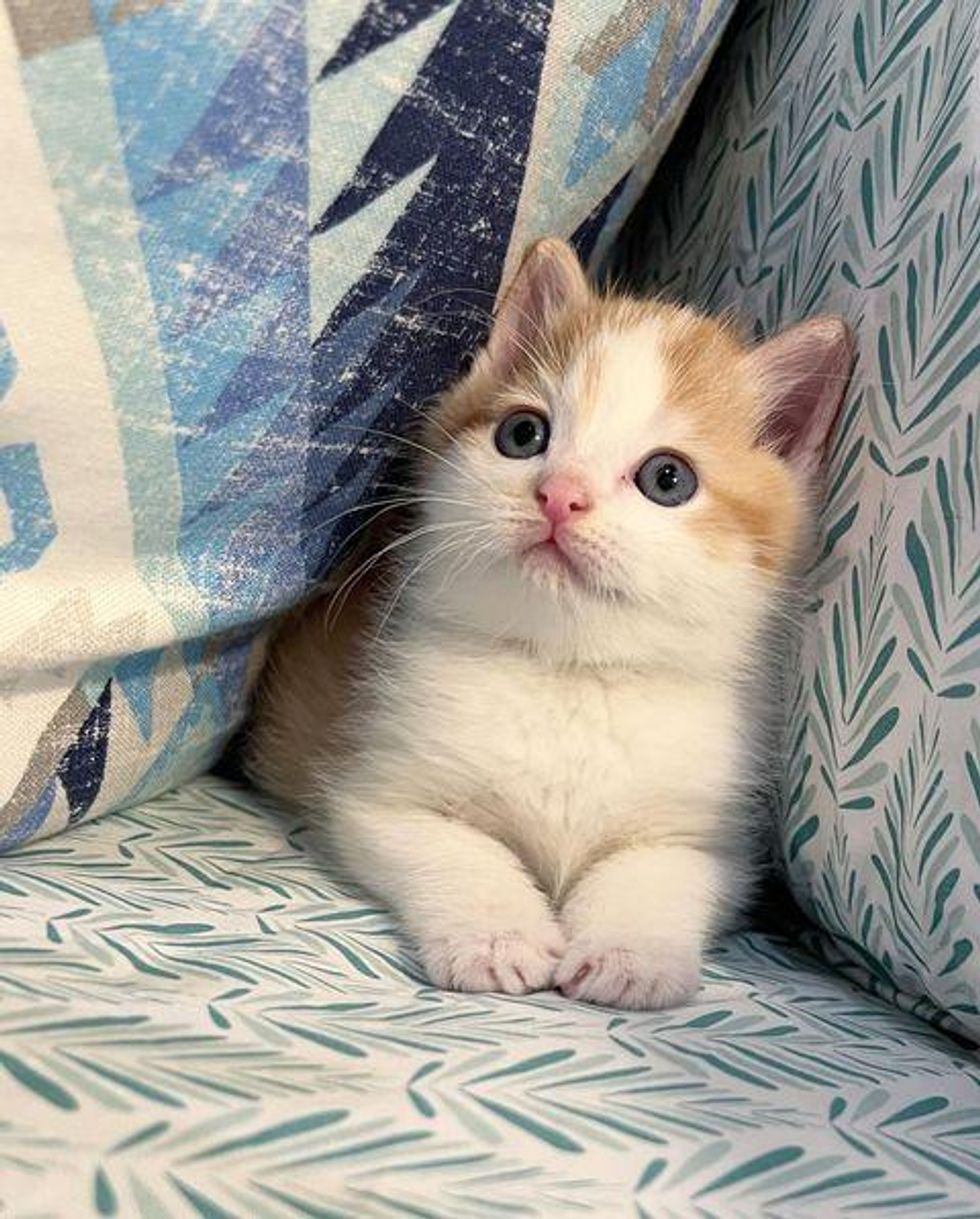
196 1019
841 174
176 462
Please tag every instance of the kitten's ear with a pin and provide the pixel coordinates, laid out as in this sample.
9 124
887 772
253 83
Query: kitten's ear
549 280
803 373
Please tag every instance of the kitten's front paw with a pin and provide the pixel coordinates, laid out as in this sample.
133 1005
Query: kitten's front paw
642 975
512 962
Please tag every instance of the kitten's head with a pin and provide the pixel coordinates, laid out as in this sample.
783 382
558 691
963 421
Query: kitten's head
619 480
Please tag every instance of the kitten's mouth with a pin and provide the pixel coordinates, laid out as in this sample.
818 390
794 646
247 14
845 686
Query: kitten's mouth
549 554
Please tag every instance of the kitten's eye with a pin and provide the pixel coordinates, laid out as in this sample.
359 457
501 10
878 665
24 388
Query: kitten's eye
522 434
666 479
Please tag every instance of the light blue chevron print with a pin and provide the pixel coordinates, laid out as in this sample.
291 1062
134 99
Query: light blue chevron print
274 235
23 494
197 1019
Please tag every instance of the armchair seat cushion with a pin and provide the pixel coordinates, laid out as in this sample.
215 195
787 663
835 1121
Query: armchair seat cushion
198 1018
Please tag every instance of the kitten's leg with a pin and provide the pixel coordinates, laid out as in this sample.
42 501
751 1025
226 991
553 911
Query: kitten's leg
637 923
475 915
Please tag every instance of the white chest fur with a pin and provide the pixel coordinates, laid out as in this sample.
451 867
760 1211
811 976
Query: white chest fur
561 764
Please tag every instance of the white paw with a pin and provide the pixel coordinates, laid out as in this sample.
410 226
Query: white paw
642 975
512 962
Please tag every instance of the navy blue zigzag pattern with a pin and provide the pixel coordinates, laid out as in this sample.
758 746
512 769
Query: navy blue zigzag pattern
470 110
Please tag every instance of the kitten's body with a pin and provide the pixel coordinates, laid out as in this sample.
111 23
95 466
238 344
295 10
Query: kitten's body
535 749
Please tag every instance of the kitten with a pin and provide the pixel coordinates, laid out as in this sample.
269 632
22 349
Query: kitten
531 736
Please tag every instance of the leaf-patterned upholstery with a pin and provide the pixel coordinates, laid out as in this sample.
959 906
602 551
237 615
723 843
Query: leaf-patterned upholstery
837 170
198 1020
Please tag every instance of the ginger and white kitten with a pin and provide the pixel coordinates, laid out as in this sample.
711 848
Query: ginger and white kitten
532 735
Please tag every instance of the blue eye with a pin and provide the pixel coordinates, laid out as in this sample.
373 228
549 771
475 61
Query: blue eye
522 434
666 479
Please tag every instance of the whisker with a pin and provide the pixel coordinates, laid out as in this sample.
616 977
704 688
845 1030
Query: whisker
429 417
423 448
386 505
455 291
453 573
426 561
382 504
346 587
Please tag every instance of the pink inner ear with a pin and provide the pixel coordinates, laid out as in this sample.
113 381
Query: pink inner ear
804 418
804 373
549 280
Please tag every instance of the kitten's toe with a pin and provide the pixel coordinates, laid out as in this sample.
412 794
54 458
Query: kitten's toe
511 962
646 977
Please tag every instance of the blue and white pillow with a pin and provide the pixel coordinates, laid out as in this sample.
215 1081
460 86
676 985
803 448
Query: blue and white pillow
238 238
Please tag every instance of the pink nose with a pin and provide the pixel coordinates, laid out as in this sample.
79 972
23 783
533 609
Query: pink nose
561 496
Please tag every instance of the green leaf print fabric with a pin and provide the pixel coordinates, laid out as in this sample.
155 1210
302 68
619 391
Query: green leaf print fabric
198 1020
835 170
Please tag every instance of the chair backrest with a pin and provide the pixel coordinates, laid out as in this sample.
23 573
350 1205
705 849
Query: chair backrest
837 171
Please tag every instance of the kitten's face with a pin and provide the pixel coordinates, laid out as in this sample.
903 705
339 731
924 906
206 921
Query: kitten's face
600 489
